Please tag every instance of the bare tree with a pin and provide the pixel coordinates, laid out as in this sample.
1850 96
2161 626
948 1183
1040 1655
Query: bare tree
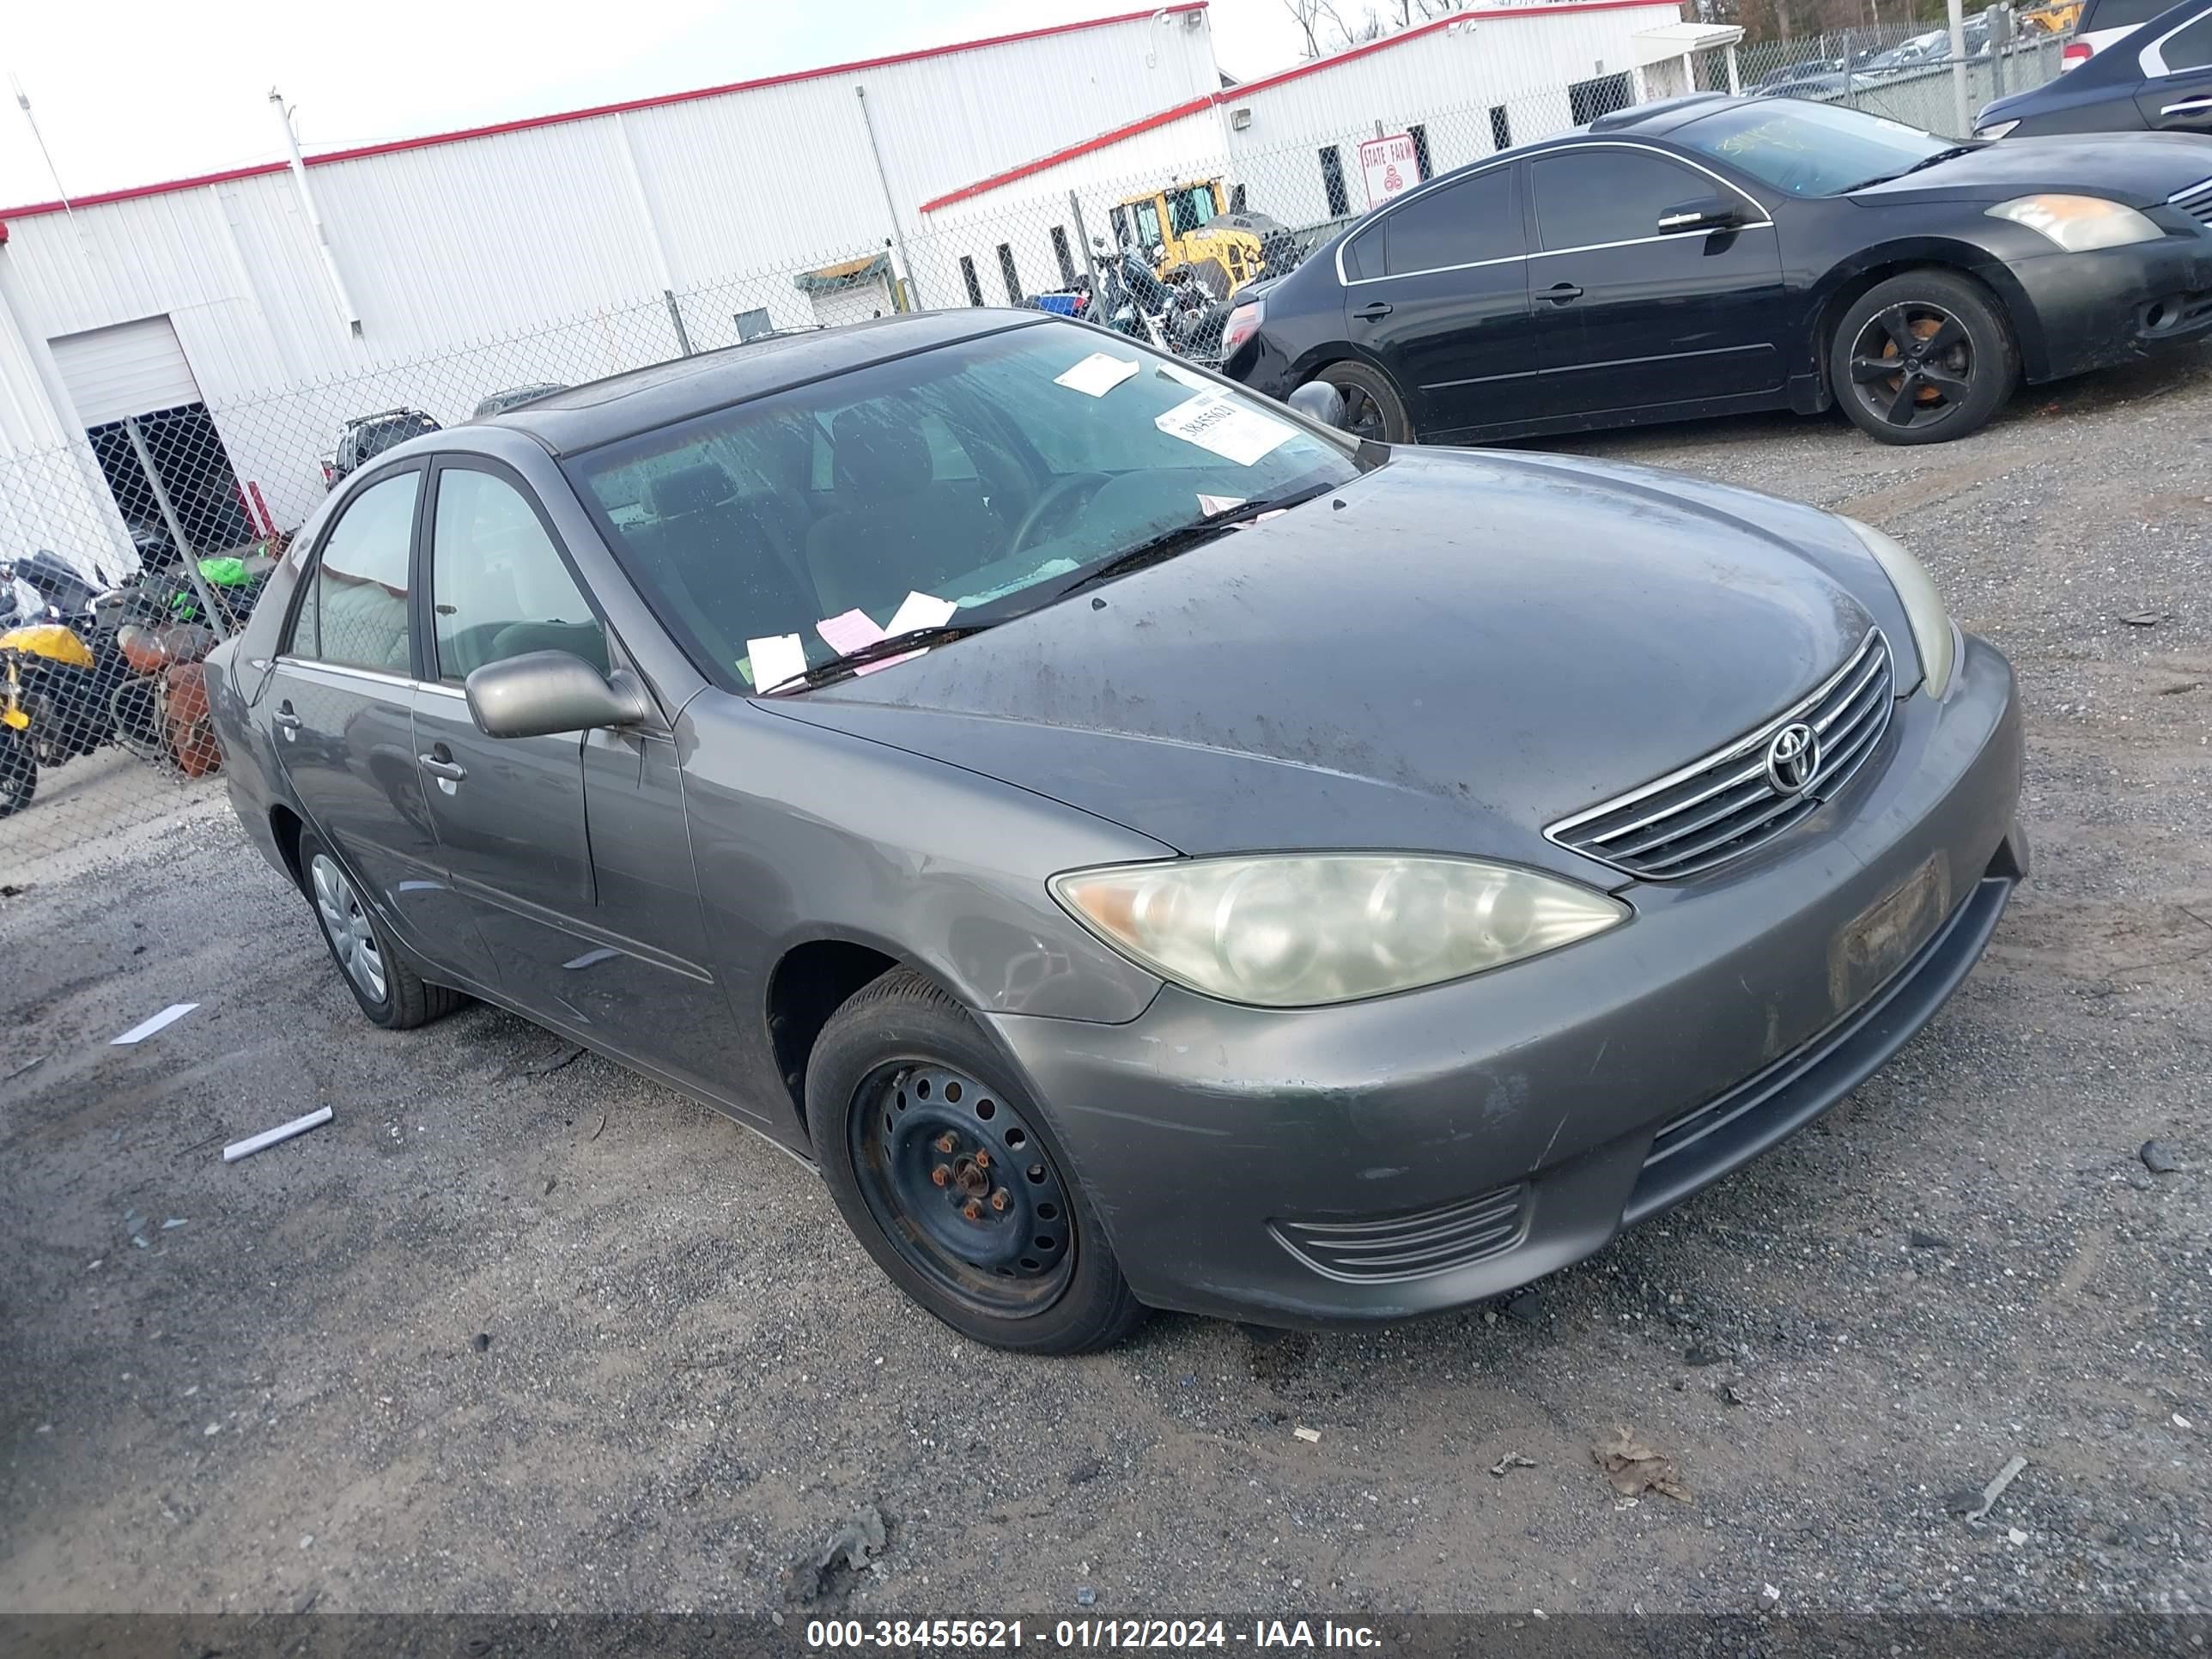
1307 15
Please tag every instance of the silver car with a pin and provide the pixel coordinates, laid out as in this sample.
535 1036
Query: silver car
1147 848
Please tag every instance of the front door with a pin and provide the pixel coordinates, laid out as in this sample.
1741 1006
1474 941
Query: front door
1437 290
1632 318
2179 100
342 689
571 847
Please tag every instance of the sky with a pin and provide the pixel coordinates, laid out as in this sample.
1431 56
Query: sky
131 92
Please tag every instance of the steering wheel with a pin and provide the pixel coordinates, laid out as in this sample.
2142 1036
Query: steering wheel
1053 496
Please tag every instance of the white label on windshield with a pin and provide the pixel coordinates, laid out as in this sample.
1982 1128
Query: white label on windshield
779 657
1097 374
920 610
1190 378
1213 506
1212 422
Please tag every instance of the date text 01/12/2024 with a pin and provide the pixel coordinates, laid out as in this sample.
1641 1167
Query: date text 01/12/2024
1086 1633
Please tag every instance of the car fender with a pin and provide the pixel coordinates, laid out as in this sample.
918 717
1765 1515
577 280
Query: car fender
1971 258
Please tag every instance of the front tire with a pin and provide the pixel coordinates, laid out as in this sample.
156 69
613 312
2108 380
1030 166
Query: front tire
1372 408
1924 358
948 1176
378 972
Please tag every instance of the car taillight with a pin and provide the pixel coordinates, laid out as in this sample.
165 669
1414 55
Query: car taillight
1243 324
2077 53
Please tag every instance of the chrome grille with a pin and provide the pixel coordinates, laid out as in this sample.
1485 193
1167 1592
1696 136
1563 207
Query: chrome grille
1411 1246
1715 809
2195 202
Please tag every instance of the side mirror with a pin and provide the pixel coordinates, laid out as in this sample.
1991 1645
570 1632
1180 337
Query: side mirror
1714 212
1317 400
543 693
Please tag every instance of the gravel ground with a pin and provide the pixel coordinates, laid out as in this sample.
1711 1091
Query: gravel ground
510 1335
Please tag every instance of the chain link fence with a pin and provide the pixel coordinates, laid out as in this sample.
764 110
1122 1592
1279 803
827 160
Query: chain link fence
126 556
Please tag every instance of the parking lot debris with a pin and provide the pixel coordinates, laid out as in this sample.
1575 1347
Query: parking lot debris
1511 1461
2181 1422
268 1137
1085 1596
481 1340
1995 1489
1917 1240
1633 1469
547 1065
827 1575
2177 691
2157 1159
600 1130
2144 618
1311 1436
27 1066
1084 1469
1528 1308
551 1182
146 1028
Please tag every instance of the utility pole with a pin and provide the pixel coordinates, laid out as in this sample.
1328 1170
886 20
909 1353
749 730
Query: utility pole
23 103
348 313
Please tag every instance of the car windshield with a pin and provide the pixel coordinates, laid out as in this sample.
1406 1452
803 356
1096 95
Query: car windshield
957 486
373 437
1809 149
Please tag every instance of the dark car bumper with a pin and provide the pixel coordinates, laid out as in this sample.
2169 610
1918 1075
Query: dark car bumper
2093 309
1418 1152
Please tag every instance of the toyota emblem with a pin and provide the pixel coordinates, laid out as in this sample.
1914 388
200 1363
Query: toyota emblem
1793 756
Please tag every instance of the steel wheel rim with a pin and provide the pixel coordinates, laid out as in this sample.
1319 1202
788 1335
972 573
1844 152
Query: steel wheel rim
1912 365
347 927
996 1229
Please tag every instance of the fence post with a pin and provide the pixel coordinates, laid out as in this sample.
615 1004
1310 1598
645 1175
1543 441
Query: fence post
1959 111
1850 81
1090 268
185 554
676 316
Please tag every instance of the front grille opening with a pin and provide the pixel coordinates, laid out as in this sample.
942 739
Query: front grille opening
1721 806
1413 1245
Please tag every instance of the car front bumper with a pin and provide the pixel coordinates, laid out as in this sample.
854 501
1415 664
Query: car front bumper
1417 1152
2093 309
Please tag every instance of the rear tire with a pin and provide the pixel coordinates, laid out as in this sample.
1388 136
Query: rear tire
1003 1246
375 969
1372 407
1956 360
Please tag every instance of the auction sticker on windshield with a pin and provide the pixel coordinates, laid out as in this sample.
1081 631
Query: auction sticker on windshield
1212 422
1097 374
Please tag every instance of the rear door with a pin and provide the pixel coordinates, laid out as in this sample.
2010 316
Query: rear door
571 847
1633 318
1437 289
342 693
2176 95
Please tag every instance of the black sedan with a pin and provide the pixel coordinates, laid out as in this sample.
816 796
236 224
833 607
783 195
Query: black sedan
2158 77
1712 255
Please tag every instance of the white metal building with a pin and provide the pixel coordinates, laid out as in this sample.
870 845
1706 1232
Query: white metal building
215 290
1461 86
258 308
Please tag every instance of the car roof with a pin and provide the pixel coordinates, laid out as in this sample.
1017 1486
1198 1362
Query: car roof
1664 115
623 405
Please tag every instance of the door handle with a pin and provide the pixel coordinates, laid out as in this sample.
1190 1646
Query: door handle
1561 293
287 718
450 771
2188 106
1373 310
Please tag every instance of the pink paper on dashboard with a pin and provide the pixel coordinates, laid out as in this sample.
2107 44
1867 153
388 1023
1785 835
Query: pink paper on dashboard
848 631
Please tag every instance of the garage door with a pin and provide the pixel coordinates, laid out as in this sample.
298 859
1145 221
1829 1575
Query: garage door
133 369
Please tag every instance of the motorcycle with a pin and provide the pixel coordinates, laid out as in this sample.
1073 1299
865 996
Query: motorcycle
51 705
159 708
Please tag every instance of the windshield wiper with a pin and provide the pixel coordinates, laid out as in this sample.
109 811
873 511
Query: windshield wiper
1183 538
846 664
1952 153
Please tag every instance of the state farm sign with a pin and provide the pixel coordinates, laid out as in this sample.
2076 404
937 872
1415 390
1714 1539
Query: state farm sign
1390 165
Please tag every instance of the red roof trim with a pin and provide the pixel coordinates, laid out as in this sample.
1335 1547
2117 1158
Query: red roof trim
656 102
1203 101
1244 89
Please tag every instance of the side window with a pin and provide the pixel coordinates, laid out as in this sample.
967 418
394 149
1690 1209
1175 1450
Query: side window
2189 48
1362 254
1589 196
497 586
1457 224
355 611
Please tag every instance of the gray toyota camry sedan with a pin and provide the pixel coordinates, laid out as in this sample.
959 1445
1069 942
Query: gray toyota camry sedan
1147 848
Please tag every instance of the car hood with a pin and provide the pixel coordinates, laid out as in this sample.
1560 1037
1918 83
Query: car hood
2139 169
1450 653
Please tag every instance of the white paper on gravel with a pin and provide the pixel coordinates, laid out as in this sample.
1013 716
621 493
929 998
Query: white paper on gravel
1230 431
776 658
1097 374
146 1028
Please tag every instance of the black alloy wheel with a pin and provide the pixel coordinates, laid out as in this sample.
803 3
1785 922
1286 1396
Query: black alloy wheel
1372 408
1924 358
